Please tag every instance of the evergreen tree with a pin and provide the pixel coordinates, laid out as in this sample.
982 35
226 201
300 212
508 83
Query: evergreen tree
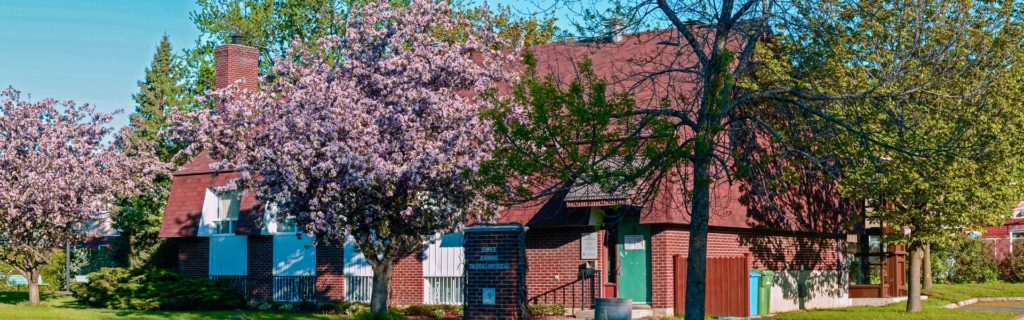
138 218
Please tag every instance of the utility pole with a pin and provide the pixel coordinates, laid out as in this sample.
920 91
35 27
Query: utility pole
67 266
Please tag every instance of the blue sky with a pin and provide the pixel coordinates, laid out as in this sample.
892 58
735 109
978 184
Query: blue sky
88 51
94 51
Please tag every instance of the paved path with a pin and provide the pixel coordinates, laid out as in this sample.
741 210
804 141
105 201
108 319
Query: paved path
1018 309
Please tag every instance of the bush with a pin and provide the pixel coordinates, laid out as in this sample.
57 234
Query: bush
539 310
435 311
119 288
1012 266
964 260
390 315
352 308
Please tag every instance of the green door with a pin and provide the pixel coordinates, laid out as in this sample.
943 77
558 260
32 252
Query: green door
634 260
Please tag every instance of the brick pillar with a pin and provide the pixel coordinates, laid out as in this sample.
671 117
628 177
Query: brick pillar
665 243
261 272
330 272
194 256
495 258
407 281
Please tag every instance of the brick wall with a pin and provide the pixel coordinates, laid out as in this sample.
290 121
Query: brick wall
771 252
407 281
504 273
194 256
260 258
330 272
554 264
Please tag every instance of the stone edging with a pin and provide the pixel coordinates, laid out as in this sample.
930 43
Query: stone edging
976 300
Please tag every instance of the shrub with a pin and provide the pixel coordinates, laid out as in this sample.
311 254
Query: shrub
119 288
435 311
390 315
539 310
964 260
352 308
326 307
1012 266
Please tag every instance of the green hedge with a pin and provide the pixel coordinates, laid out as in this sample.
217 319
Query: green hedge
119 288
433 311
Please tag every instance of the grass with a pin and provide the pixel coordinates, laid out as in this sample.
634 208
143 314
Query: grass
14 305
961 292
932 310
941 294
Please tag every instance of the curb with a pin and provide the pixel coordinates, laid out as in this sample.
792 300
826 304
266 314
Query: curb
976 300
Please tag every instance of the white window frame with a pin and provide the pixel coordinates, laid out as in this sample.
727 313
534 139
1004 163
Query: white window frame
1015 235
1018 213
274 225
219 221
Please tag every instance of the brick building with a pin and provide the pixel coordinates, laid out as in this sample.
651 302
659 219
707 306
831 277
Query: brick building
579 246
1003 237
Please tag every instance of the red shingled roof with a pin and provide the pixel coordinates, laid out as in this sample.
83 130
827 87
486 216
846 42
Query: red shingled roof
188 191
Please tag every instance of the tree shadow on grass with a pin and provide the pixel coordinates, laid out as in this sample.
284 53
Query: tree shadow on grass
21 297
58 300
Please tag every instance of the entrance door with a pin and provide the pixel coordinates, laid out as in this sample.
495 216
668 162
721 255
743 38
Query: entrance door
634 260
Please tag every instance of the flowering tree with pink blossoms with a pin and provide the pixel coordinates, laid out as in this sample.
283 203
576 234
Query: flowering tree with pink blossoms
374 135
57 171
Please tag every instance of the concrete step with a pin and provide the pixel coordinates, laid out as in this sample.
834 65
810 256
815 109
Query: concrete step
640 311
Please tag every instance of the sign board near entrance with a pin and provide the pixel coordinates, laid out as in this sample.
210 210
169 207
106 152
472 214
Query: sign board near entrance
487 296
588 246
634 242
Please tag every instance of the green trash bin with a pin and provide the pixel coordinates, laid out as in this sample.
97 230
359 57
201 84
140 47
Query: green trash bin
764 292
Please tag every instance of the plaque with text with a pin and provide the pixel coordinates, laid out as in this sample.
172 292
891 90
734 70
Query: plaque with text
588 246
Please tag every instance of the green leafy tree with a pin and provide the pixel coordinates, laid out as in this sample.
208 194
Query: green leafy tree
938 156
138 218
786 78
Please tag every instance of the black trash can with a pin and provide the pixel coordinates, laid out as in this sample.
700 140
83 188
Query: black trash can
613 309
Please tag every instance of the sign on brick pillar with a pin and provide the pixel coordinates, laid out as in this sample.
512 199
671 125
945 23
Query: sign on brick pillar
495 272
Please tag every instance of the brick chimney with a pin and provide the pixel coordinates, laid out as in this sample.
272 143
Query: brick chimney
237 61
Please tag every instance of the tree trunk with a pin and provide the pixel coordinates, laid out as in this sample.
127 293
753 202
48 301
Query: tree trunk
381 283
696 263
914 283
33 287
927 266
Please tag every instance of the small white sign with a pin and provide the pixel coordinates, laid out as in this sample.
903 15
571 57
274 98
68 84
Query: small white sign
488 296
635 242
588 246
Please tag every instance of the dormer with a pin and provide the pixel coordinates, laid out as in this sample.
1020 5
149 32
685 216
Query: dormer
220 213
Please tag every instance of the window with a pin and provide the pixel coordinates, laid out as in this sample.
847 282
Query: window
227 213
1018 213
286 224
278 222
866 263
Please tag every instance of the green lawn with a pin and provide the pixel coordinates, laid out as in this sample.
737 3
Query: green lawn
940 295
13 306
960 292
